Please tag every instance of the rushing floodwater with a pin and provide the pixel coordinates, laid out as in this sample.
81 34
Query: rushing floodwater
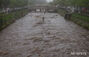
55 37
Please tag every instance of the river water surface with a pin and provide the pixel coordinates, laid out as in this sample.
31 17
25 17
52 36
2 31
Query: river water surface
30 36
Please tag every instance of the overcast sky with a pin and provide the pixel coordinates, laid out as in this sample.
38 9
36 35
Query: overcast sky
49 0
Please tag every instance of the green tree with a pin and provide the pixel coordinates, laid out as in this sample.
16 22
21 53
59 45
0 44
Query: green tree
82 3
13 3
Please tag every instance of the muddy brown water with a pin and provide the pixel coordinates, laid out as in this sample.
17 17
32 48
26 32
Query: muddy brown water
55 37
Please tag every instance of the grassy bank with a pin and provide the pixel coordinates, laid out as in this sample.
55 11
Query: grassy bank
77 18
81 20
6 19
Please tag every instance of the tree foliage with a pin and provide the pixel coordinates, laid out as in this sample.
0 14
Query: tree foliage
12 3
19 3
82 3
4 3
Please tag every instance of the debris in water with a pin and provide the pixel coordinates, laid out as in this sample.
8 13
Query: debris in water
3 52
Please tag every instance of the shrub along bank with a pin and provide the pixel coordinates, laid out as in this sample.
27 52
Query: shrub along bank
79 19
62 12
8 18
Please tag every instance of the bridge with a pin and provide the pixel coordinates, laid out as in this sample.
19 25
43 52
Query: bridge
43 8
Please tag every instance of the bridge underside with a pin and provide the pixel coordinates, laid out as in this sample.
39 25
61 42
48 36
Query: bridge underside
43 8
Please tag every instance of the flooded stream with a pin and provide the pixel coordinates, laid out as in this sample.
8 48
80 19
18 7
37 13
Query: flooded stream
30 36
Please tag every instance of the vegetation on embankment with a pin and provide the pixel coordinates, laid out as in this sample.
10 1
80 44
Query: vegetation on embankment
81 20
6 19
77 18
62 12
